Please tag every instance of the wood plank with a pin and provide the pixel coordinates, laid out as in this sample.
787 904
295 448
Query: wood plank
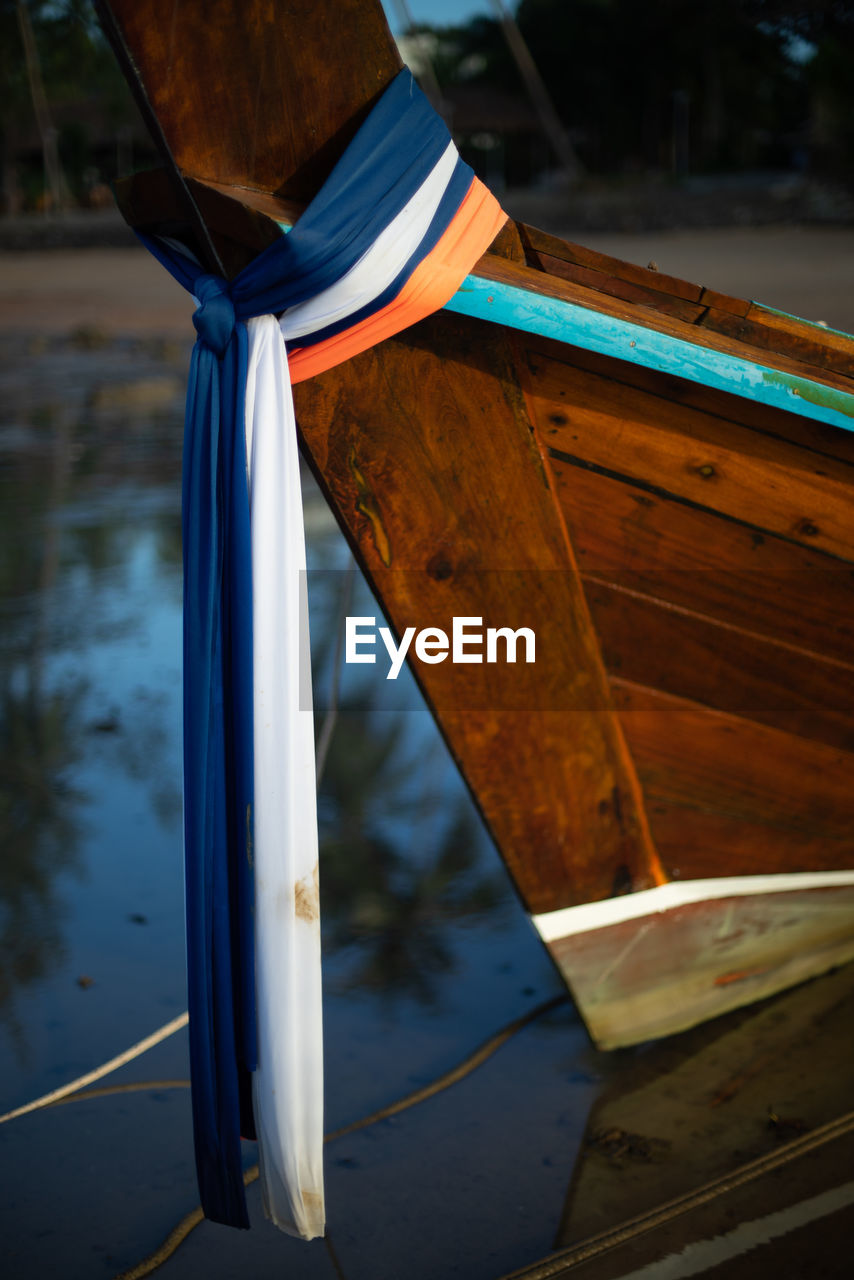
663 648
693 843
811 330
539 242
727 796
508 243
616 287
402 439
821 438
801 341
298 101
761 327
694 455
720 568
529 281
501 293
662 972
724 302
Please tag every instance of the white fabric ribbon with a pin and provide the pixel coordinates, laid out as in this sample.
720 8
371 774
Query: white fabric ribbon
288 1084
379 265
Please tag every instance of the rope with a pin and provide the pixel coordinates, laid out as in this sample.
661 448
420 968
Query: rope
175 1237
104 1070
187 1224
561 1263
133 1086
457 1073
555 1266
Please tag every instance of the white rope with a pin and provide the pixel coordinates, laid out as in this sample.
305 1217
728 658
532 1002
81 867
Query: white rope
104 1070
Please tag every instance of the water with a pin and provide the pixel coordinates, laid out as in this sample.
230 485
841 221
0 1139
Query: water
426 949
427 952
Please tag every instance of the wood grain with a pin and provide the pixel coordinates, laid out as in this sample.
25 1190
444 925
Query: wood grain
662 973
722 569
539 244
728 796
617 287
463 496
821 438
425 451
767 331
749 322
540 283
251 95
728 669
724 302
693 454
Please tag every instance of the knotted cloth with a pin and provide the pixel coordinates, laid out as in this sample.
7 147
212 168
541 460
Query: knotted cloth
394 230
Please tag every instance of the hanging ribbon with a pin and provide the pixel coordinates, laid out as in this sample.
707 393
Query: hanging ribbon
388 239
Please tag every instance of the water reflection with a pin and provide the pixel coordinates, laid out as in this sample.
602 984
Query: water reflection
87 502
405 862
39 729
393 900
418 914
90 488
39 827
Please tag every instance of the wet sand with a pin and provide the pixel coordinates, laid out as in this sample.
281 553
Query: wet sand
118 291
807 271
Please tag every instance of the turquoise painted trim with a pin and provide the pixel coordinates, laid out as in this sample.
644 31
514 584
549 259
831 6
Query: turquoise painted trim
595 331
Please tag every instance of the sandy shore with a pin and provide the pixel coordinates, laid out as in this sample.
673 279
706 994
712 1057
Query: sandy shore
119 291
806 271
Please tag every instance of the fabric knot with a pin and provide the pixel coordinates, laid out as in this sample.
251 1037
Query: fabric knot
214 319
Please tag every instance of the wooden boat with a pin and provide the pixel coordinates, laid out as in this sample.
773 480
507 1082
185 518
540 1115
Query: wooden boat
654 477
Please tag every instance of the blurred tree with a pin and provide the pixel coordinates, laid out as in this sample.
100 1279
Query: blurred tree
673 85
624 73
59 43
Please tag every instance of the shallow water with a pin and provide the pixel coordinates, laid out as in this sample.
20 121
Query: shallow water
427 952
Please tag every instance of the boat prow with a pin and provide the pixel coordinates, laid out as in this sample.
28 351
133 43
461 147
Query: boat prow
653 477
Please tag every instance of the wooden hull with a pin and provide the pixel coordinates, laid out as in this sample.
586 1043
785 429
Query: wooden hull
696 949
689 715
682 548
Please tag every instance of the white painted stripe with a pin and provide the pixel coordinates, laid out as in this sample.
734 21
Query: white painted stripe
381 263
701 1255
567 921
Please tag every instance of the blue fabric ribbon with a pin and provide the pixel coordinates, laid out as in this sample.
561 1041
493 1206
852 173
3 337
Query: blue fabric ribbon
385 164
